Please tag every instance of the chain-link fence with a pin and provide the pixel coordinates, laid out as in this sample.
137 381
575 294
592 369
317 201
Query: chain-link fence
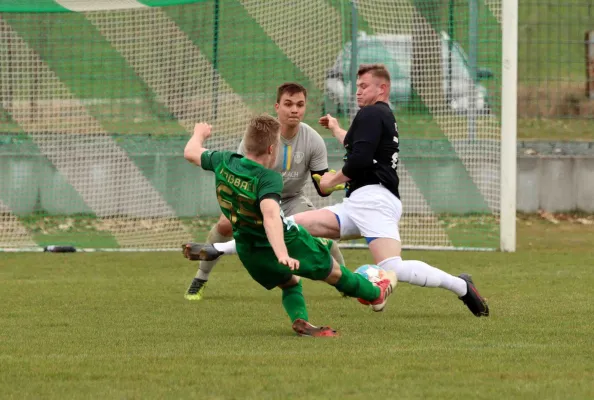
552 67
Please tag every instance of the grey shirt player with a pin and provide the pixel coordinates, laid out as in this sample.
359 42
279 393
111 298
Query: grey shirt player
298 159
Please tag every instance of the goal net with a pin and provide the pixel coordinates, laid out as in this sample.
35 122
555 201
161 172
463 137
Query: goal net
98 98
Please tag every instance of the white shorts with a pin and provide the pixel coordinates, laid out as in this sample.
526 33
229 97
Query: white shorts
370 212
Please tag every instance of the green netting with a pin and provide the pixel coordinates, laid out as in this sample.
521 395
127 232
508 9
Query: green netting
96 106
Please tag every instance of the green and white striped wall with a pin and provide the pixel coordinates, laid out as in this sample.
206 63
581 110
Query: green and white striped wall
102 95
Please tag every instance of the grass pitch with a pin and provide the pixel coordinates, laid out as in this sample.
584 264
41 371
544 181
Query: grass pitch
117 326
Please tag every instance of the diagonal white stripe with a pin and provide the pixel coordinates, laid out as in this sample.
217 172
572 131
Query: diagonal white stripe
308 32
12 233
108 181
99 5
181 76
419 225
402 17
495 7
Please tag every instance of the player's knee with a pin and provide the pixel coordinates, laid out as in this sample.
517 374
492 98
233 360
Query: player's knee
224 226
335 273
294 281
384 248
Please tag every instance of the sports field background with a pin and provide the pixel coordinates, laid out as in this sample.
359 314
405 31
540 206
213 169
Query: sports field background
117 326
108 325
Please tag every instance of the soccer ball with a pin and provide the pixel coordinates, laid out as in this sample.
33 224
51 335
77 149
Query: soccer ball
371 272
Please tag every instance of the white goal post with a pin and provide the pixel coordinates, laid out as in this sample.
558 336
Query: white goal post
509 86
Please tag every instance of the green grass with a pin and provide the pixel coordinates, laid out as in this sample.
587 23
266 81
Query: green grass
117 326
556 129
551 39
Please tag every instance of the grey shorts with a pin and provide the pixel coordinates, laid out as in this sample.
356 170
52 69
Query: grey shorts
296 205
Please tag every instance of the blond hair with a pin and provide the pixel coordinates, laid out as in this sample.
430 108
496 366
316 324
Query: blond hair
262 132
376 70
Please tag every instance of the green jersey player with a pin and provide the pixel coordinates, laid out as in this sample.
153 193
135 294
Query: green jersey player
274 250
301 156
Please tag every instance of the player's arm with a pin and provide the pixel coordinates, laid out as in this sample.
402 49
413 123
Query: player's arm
195 146
316 177
366 138
318 164
331 123
269 195
332 181
273 225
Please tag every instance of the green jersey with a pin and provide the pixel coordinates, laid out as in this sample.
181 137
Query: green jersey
241 184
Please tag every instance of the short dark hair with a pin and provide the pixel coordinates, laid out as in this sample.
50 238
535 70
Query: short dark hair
376 70
290 88
262 131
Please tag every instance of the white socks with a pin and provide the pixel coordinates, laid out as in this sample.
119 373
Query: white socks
421 274
228 247
206 266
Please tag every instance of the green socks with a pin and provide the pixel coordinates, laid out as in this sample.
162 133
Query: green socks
351 284
294 302
354 285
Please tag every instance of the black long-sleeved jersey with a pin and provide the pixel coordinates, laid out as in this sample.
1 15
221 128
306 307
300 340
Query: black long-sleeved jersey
372 148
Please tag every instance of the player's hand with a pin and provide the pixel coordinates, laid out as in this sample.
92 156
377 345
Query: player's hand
289 262
318 178
329 122
203 130
326 183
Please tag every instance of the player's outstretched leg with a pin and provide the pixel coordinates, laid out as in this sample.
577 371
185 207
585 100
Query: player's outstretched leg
354 285
335 251
422 274
208 256
294 304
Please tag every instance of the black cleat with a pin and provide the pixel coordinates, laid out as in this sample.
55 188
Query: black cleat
200 251
473 300
196 289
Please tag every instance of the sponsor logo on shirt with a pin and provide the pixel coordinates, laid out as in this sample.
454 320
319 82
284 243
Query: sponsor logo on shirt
290 174
299 156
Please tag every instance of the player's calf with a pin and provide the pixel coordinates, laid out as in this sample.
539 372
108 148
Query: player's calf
355 285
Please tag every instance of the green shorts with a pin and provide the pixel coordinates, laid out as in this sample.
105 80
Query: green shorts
315 261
